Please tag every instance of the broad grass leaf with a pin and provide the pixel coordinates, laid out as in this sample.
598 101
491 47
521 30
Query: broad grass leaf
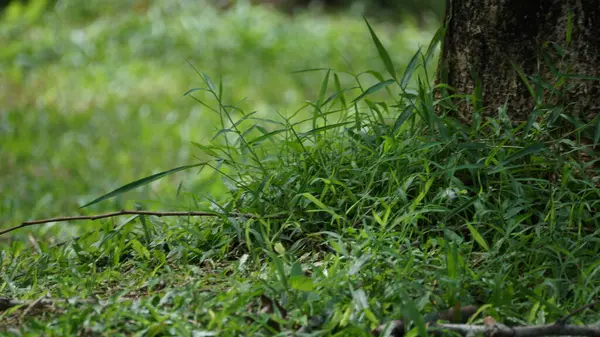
437 38
323 90
373 89
139 183
376 74
309 70
359 263
339 93
524 79
194 90
325 128
410 69
302 283
478 238
338 87
371 316
279 268
279 248
266 136
315 201
319 204
140 249
210 83
404 116
532 149
383 54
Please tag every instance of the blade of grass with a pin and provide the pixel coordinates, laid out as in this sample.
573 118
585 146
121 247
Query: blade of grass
404 116
532 149
410 69
139 183
383 54
478 237
373 89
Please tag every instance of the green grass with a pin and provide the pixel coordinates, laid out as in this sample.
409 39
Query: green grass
93 96
368 210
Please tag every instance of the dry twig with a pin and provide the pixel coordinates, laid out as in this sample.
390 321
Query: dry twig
7 303
494 329
501 330
127 212
565 319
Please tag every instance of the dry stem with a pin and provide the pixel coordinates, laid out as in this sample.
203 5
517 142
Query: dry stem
124 212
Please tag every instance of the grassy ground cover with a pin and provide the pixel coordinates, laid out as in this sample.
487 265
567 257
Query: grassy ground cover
366 205
93 92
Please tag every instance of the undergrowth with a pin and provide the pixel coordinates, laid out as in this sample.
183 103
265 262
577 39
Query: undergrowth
366 211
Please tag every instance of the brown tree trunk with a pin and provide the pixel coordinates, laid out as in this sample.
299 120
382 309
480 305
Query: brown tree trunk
486 40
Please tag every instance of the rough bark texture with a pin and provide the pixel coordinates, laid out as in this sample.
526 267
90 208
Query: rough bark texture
484 38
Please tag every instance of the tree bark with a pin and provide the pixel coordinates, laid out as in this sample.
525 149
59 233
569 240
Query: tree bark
487 40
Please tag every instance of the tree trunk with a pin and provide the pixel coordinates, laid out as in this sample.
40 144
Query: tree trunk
487 40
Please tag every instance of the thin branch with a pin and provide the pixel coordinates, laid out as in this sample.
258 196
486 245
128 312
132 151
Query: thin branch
564 320
32 304
501 330
126 212
493 329
7 303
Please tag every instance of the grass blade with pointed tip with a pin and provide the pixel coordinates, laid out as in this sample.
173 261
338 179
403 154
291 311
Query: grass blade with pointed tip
410 69
374 89
309 70
324 128
478 237
404 116
319 204
383 54
210 83
526 151
317 107
338 87
194 90
523 79
266 136
323 90
438 37
462 207
138 183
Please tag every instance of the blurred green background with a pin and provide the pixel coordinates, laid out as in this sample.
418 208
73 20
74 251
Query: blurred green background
92 91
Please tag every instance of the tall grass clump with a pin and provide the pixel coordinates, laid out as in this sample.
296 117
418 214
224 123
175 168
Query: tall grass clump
370 203
347 161
509 210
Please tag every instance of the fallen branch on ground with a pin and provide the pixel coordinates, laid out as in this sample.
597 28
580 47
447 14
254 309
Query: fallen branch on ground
490 328
129 212
7 303
493 329
501 330
566 318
